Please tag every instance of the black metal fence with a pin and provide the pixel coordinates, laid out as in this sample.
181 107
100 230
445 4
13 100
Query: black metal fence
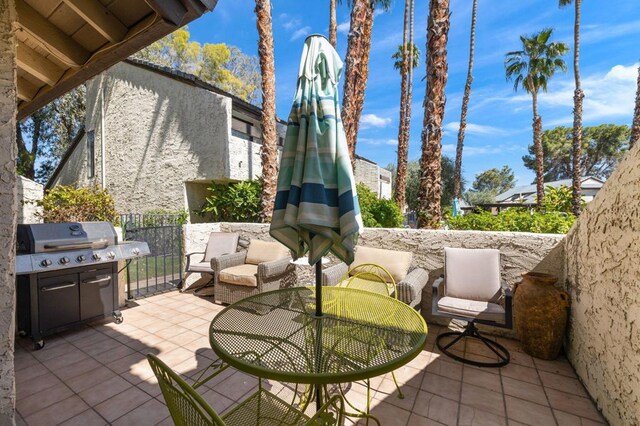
162 270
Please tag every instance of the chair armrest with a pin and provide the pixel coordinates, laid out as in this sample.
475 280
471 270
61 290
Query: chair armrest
188 255
437 290
194 252
274 270
410 288
331 276
227 261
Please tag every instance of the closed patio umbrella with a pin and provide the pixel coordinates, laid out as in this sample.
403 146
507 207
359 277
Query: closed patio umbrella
316 207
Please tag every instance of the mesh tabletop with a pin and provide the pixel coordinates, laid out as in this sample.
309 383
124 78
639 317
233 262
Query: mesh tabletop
276 335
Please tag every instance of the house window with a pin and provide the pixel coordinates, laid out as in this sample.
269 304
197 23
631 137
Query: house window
91 154
245 130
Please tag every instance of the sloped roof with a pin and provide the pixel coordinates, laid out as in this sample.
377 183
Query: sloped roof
588 182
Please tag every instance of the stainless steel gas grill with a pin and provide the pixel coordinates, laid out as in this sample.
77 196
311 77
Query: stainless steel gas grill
67 274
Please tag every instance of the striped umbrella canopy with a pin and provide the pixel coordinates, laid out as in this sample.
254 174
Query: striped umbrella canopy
316 207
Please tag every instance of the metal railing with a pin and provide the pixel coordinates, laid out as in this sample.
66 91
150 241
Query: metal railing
161 271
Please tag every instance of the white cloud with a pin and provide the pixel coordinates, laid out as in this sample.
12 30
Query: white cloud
372 120
599 33
474 129
301 32
343 27
378 142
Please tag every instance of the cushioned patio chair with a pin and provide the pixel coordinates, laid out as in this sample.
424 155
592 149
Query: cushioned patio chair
409 281
188 408
470 290
263 267
219 243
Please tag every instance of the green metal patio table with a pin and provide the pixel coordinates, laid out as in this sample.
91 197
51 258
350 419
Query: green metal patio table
277 335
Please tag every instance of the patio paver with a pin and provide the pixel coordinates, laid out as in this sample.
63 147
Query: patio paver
98 375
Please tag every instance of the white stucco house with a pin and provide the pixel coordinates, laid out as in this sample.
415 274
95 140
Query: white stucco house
527 193
156 137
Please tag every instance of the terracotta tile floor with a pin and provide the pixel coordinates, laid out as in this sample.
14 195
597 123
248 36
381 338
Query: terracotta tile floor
98 374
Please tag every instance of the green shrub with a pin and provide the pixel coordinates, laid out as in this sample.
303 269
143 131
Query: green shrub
68 204
159 217
234 202
377 213
516 220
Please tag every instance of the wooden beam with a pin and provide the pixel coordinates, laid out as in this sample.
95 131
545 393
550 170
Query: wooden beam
26 89
100 18
170 10
49 36
37 65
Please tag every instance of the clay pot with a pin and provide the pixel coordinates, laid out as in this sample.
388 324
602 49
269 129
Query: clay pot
541 315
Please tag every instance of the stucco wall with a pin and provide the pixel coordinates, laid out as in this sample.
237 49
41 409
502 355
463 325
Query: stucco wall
369 173
75 171
244 159
8 209
29 193
603 277
521 252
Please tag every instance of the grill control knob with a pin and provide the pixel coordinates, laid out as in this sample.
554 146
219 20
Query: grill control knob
135 251
46 262
65 260
96 256
111 255
81 258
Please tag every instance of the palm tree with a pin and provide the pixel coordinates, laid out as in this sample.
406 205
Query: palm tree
357 68
269 148
403 58
413 62
532 68
465 105
578 96
430 190
635 127
333 25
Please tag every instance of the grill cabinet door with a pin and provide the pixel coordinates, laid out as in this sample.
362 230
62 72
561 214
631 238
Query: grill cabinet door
58 302
96 293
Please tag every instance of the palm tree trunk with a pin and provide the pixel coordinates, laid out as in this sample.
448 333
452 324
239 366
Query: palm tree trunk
407 115
430 190
269 148
635 127
457 183
333 26
578 96
403 144
537 148
356 71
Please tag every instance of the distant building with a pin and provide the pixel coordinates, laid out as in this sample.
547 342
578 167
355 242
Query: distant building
165 136
527 194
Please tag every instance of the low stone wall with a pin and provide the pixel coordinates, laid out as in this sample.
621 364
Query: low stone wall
29 193
603 278
521 252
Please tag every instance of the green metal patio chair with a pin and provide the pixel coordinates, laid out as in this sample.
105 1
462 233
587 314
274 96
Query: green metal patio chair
262 408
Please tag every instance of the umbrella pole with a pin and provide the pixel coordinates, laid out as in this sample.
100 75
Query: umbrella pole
319 288
319 333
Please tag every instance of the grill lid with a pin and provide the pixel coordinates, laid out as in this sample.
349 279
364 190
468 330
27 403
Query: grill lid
52 237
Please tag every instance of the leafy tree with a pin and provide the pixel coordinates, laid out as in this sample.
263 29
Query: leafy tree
68 204
531 68
413 182
218 64
559 199
235 202
635 126
378 213
603 147
496 180
514 220
44 136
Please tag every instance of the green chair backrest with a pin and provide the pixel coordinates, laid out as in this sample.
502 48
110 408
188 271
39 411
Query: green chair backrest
371 277
186 406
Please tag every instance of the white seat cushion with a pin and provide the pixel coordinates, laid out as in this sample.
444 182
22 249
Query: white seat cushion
201 267
472 273
396 262
471 309
240 275
265 251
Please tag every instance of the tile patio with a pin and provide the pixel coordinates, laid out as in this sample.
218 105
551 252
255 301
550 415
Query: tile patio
98 375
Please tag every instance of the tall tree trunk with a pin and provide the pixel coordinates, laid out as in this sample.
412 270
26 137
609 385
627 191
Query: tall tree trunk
635 127
407 114
333 25
269 149
578 96
403 144
537 148
356 71
457 184
430 190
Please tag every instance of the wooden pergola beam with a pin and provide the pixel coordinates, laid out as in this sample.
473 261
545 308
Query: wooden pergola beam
36 27
99 17
26 90
37 65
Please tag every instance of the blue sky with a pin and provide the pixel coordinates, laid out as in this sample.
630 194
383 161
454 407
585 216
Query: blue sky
499 120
